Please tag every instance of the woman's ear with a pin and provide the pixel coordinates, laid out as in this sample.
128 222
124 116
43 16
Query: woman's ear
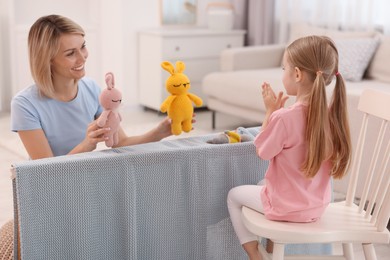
298 74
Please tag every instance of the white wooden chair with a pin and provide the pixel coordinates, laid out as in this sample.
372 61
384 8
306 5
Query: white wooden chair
344 222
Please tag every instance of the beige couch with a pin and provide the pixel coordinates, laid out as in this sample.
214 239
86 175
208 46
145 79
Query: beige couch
235 90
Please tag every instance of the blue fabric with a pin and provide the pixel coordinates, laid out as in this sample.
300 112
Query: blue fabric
164 200
64 123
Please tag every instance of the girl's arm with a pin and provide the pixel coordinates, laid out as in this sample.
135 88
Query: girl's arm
271 102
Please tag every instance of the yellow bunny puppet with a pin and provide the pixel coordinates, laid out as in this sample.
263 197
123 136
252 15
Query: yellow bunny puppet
179 103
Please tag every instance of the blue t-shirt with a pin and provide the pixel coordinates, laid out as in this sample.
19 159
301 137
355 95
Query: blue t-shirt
64 123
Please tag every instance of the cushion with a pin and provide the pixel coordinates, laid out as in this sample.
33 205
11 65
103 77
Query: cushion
355 56
303 29
380 66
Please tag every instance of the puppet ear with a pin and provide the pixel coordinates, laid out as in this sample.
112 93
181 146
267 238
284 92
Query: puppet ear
166 65
180 66
110 80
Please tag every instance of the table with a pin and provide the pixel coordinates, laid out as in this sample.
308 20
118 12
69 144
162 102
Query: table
164 200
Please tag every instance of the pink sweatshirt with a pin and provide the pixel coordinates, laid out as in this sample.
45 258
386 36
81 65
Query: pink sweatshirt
288 195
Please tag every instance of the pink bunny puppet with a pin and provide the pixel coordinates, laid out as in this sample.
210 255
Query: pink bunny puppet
110 99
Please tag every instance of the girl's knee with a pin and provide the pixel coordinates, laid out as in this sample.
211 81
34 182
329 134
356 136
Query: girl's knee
232 195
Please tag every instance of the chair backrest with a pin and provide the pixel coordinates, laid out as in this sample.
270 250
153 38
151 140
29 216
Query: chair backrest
375 199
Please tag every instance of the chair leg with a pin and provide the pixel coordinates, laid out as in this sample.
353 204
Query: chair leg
278 253
348 251
213 119
369 251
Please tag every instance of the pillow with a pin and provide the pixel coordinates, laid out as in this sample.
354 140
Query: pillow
355 56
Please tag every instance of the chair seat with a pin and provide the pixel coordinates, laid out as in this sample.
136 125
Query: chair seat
339 223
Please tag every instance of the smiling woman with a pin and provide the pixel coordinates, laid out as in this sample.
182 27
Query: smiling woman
178 12
58 114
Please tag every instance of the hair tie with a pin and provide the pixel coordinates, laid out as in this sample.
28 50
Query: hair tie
319 73
337 73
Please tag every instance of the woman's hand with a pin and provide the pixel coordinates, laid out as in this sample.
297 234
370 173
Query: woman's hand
94 135
163 129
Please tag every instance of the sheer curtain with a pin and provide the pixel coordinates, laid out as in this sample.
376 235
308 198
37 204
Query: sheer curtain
257 18
336 14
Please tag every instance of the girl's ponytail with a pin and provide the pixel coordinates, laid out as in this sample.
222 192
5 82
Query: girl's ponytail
327 130
317 124
339 127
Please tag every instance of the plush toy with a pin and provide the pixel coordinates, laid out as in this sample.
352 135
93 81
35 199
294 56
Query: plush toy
110 99
179 103
227 136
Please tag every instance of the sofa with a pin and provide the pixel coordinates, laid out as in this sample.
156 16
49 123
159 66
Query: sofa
236 89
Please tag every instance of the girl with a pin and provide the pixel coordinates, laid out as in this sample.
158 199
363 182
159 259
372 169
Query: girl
306 144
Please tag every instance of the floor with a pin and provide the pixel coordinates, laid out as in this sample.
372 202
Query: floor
136 120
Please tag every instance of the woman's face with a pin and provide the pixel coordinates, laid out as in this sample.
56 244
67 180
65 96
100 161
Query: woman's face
70 60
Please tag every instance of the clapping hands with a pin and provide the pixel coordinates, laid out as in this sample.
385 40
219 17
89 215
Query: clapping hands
272 101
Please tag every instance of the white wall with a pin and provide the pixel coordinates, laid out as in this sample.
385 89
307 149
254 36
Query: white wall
136 15
111 27
1 60
5 78
139 15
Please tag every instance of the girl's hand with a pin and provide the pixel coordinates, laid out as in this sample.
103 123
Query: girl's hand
271 101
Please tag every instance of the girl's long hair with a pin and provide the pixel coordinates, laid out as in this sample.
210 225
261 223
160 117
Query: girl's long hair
327 129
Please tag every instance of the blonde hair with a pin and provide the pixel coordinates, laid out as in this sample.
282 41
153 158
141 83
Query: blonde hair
318 57
43 46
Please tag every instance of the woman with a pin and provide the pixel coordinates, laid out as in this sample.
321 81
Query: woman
56 116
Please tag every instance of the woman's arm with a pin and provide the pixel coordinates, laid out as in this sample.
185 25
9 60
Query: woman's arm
162 130
37 145
95 135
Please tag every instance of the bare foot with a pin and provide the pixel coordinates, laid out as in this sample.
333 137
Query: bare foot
269 247
251 248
